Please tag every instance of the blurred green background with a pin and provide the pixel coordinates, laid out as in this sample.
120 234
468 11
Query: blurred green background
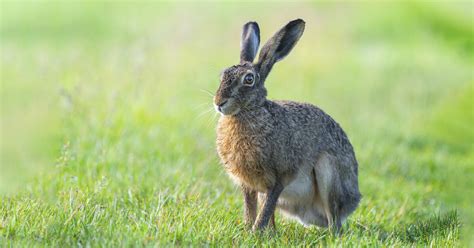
107 127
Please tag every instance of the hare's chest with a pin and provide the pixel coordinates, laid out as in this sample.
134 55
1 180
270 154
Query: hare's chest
244 155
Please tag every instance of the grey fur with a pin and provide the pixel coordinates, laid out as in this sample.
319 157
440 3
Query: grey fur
294 155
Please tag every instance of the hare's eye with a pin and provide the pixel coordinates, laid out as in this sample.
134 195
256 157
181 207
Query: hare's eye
248 79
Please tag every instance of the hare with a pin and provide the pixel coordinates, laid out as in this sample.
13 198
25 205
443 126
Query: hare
293 156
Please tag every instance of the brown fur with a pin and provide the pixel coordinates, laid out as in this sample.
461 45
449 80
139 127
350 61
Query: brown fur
241 154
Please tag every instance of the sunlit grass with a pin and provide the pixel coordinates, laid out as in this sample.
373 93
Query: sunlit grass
108 130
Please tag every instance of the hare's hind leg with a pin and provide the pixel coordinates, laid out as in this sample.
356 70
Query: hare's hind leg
325 179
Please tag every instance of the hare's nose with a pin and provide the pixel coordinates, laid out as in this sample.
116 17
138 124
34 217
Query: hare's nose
223 103
219 107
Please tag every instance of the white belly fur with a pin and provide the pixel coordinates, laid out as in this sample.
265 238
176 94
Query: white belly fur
301 189
297 201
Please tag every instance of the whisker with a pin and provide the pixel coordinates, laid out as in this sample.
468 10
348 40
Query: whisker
211 120
207 92
203 113
202 105
214 118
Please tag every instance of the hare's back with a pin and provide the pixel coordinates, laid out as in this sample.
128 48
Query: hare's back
310 123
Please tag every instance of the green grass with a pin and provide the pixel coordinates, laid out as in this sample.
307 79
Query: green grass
107 129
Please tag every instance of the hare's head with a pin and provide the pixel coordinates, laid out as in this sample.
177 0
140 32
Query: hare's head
242 86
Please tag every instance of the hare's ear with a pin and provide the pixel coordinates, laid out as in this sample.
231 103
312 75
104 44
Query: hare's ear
279 46
250 42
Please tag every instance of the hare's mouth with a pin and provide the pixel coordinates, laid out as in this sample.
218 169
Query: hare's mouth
227 107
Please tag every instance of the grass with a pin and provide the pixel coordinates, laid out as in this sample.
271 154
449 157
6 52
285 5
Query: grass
107 129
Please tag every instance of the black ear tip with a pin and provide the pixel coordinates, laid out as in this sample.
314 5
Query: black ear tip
251 23
252 26
297 22
297 25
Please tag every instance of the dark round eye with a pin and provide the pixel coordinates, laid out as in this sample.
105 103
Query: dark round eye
248 79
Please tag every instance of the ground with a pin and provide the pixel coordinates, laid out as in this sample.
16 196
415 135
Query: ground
108 131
